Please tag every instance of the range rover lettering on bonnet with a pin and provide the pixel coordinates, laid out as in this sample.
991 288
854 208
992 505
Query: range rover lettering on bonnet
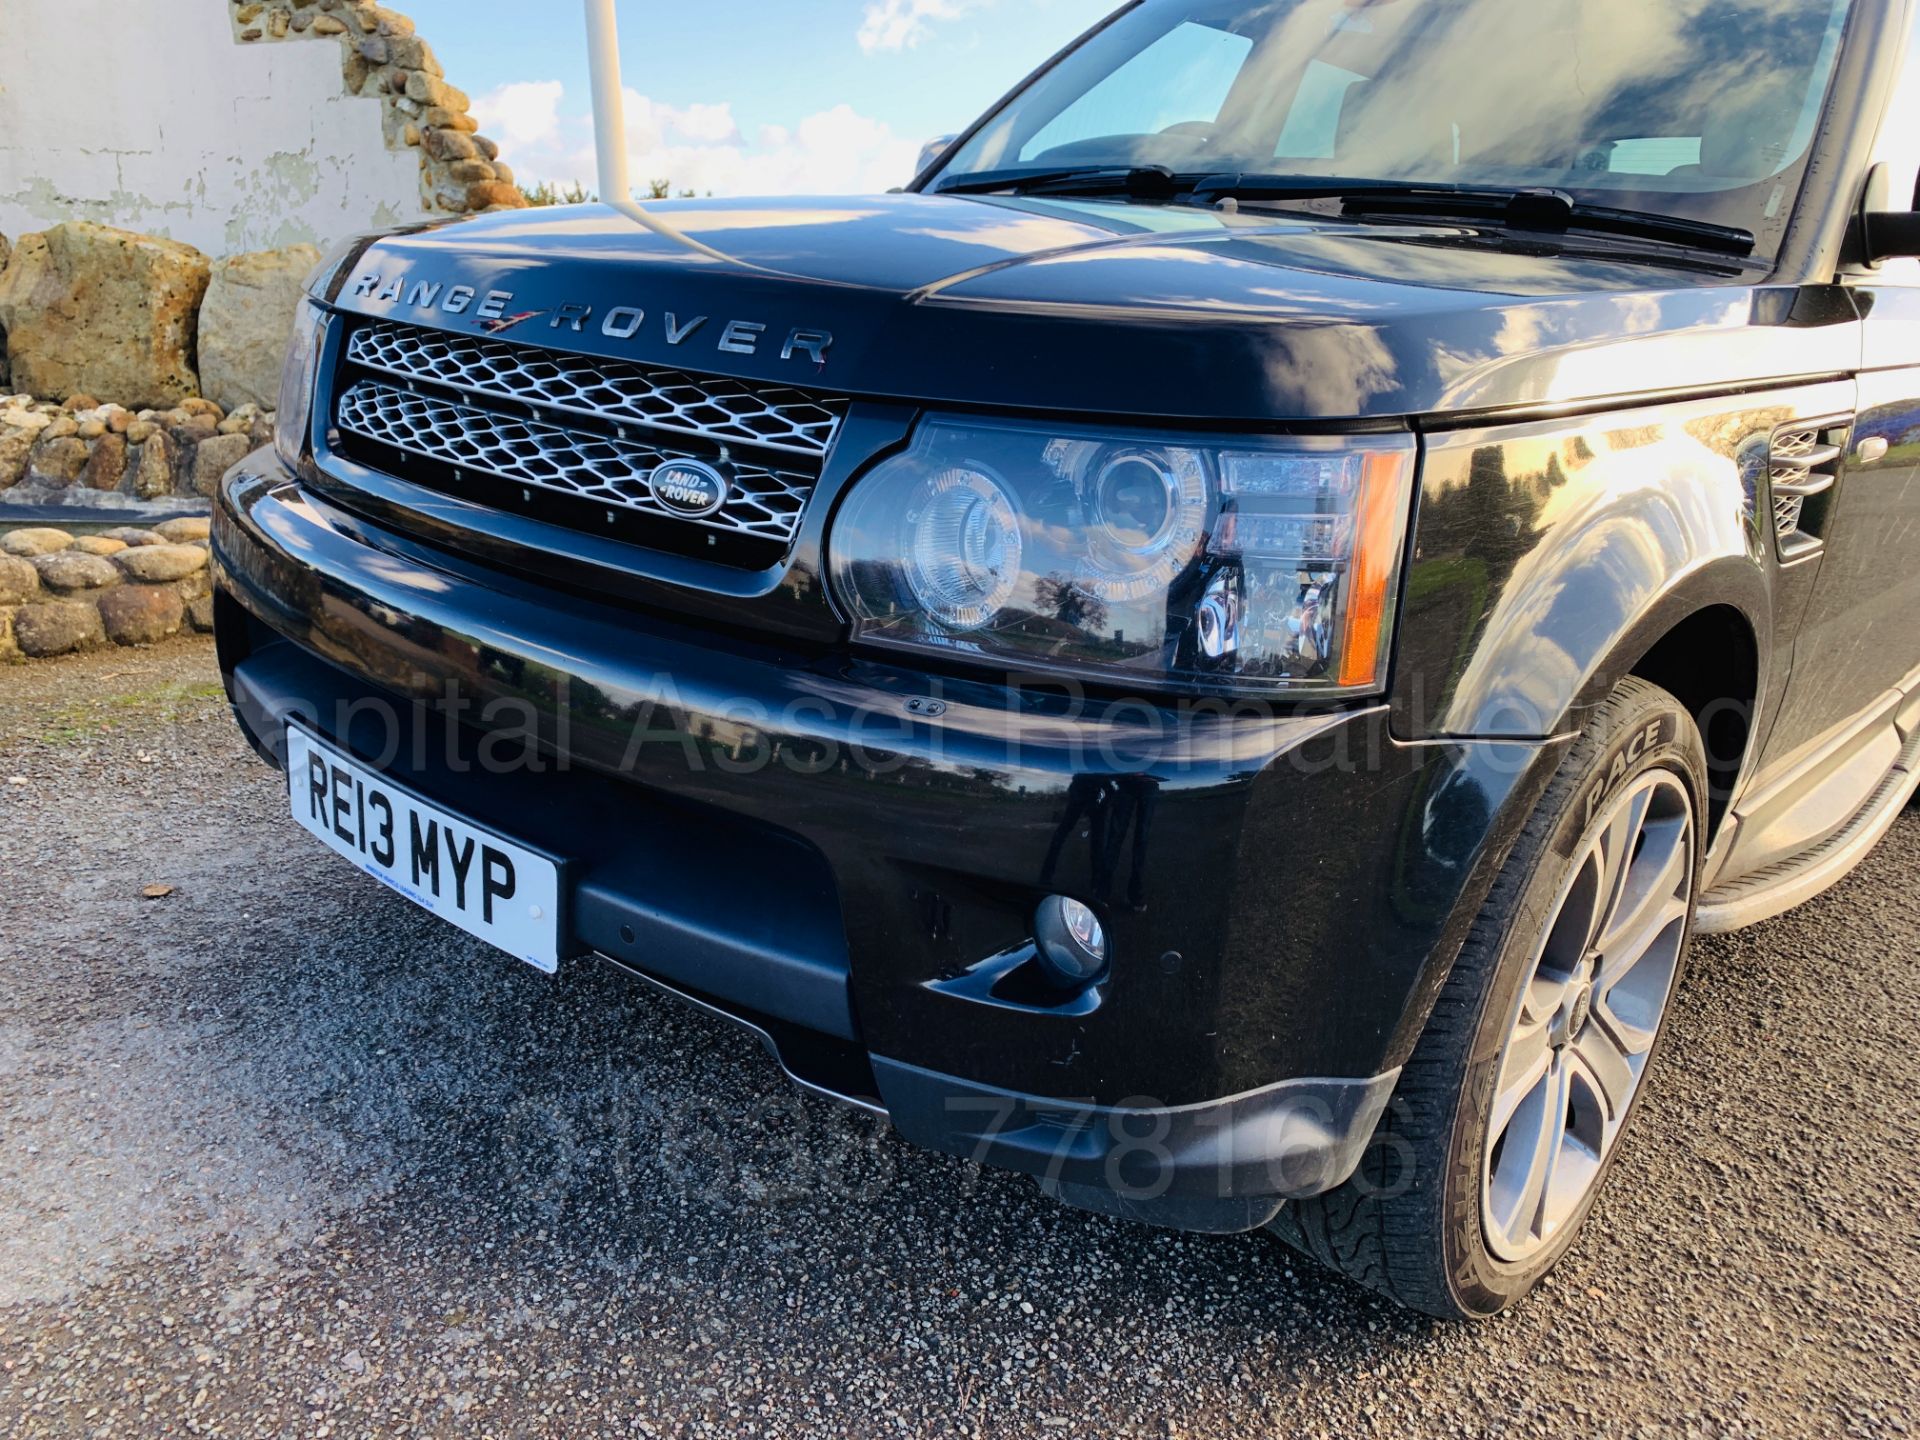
491 310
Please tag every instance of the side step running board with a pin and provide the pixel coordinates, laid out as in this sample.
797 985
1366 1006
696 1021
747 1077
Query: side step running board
1777 889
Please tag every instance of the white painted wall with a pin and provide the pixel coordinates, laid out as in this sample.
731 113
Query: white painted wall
148 115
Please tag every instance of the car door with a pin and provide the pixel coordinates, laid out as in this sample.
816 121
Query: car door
1860 639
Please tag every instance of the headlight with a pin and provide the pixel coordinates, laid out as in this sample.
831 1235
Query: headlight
296 384
1246 565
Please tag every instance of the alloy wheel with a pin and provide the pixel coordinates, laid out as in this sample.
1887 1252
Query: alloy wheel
1586 1020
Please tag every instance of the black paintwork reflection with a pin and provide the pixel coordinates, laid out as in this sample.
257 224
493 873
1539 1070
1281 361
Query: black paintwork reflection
1859 638
1119 309
1360 863
1543 552
1114 813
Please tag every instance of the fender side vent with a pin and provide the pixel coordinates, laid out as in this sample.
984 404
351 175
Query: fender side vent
1804 467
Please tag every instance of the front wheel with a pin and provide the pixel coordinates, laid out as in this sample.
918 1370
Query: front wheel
1508 1116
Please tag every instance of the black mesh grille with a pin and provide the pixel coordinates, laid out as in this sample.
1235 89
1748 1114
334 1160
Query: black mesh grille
574 440
582 465
776 417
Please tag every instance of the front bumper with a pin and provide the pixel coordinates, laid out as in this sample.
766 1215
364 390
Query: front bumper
847 855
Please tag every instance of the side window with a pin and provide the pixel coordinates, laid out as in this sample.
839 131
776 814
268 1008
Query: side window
1181 79
1312 131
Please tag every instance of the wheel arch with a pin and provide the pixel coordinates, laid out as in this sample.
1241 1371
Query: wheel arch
1702 643
1702 640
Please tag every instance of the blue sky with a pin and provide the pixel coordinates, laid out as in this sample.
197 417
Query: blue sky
747 96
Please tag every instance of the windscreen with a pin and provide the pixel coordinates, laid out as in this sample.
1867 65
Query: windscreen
1699 108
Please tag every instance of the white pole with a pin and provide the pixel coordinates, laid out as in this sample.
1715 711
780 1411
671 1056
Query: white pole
609 102
610 132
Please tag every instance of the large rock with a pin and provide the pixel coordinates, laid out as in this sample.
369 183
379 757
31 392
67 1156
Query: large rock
18 580
157 564
153 475
134 535
195 586
190 430
184 529
107 464
34 540
212 458
57 626
89 308
58 461
21 413
15 447
72 571
245 321
495 195
142 614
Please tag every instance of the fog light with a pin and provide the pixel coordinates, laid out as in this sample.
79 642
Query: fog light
1072 943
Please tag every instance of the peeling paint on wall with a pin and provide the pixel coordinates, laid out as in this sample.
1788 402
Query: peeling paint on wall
229 148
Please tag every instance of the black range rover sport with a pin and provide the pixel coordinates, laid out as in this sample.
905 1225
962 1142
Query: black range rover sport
1214 650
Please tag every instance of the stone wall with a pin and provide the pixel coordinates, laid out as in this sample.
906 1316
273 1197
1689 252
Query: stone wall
144 368
59 594
382 58
101 455
159 116
119 344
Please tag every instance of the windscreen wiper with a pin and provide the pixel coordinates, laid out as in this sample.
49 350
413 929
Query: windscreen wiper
1552 211
1142 182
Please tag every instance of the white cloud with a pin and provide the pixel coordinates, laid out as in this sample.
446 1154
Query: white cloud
699 147
902 24
711 124
523 114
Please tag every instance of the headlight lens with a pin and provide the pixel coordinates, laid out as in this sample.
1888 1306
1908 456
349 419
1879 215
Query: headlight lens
297 377
1233 564
963 547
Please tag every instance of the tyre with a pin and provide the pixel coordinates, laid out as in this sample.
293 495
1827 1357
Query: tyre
1508 1116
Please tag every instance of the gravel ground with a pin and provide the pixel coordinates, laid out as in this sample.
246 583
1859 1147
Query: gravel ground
281 1156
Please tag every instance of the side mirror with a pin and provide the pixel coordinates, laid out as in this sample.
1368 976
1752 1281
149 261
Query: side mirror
1880 232
932 151
1891 235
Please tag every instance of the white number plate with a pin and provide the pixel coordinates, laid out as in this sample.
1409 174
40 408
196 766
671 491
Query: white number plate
490 887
